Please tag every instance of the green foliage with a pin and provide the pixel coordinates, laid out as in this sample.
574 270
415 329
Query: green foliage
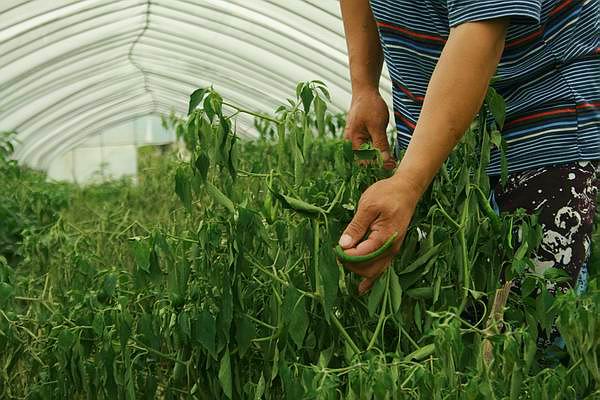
216 278
28 204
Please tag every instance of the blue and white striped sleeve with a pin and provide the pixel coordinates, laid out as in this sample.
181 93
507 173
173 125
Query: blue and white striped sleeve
520 11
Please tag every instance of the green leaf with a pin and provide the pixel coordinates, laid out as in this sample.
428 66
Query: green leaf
522 251
323 90
205 330
244 334
183 187
375 296
299 88
124 327
556 275
98 324
500 143
418 317
260 388
6 292
367 154
66 340
329 274
213 106
109 284
196 98
141 254
422 259
294 311
225 375
275 369
320 108
202 165
307 96
497 106
395 292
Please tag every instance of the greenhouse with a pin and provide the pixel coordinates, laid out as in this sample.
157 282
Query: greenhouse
299 199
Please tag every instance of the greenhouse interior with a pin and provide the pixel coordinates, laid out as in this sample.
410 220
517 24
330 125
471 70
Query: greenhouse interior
299 199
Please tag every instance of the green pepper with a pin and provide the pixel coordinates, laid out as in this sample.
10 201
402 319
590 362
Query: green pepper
488 210
422 353
341 254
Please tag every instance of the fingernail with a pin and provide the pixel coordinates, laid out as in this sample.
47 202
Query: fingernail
345 241
386 155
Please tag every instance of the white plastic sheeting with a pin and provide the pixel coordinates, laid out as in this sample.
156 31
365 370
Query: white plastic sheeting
111 154
71 69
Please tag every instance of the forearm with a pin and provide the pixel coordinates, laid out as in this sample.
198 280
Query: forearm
455 94
364 49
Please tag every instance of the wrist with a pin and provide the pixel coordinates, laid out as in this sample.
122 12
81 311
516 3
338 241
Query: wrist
408 186
364 89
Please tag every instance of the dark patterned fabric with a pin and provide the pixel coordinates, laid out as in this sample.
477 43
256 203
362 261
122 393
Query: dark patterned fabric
565 197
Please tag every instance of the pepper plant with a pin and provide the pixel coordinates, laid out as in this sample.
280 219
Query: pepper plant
217 278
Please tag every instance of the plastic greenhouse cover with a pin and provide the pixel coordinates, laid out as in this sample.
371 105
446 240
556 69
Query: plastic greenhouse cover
70 69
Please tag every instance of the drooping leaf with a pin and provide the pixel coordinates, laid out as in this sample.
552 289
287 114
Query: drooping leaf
329 277
294 309
245 333
202 165
6 293
205 330
395 292
260 388
196 98
225 375
375 296
497 106
320 108
183 187
307 98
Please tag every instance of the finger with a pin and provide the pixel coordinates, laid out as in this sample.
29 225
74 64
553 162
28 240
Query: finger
377 132
367 270
358 134
348 133
380 142
366 285
375 240
372 268
389 164
357 228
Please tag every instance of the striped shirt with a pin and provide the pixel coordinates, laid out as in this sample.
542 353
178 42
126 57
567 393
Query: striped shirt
549 73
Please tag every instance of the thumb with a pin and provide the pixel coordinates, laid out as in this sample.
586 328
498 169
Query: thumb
365 285
357 228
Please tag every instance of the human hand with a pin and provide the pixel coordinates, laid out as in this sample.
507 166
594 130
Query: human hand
367 122
384 208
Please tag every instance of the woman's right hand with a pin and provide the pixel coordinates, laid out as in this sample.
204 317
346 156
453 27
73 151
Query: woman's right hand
367 122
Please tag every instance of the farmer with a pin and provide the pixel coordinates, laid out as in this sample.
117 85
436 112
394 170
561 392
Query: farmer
544 56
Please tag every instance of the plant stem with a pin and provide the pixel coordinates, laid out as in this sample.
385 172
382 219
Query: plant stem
344 334
257 115
381 312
